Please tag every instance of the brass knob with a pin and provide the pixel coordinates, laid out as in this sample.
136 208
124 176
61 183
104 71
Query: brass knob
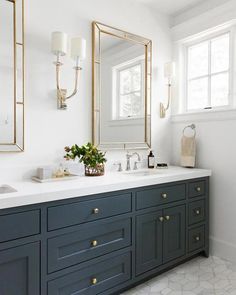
164 195
94 281
198 189
197 212
95 211
161 219
167 217
94 243
197 238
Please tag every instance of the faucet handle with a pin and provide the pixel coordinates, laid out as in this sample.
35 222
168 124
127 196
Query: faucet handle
136 164
119 166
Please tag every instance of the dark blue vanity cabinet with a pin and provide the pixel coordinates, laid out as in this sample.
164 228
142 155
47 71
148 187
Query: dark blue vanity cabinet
102 244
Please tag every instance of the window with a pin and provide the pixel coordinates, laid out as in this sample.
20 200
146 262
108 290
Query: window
208 75
128 89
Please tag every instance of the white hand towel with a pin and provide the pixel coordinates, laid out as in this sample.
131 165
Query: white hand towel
188 151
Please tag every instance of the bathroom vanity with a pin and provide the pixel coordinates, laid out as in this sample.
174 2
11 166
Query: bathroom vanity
73 242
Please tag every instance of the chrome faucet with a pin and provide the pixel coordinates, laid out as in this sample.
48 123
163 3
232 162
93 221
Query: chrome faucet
128 157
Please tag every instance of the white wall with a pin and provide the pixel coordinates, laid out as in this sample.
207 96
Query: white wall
48 130
216 146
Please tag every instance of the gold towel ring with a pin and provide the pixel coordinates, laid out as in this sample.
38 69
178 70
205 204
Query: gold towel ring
192 126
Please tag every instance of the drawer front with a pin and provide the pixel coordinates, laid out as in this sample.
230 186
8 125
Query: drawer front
88 242
19 225
197 189
86 211
196 238
196 212
158 196
94 279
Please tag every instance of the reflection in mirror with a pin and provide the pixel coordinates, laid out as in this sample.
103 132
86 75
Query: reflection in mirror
121 83
11 76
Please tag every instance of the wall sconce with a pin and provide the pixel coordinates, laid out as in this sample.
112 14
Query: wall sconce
169 73
78 53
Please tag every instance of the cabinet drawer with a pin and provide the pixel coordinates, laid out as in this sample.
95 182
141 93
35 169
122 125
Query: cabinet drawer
196 212
86 211
95 278
197 189
196 238
19 225
88 242
158 196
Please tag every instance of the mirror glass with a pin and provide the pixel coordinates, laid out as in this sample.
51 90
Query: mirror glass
11 76
121 89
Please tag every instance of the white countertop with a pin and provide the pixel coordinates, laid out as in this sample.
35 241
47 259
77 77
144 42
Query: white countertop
29 192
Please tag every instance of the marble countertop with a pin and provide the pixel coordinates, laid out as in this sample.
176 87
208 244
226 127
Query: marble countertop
30 192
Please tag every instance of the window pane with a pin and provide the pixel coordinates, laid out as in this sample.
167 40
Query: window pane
198 60
136 74
220 90
125 82
131 105
220 54
197 94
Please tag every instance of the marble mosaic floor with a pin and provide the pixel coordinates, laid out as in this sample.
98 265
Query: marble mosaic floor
200 276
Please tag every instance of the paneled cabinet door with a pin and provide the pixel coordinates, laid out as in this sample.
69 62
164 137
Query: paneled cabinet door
174 233
19 270
148 241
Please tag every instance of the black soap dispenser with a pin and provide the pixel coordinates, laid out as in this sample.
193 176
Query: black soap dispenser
151 160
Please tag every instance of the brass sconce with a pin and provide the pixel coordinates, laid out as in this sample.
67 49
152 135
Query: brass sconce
78 53
169 73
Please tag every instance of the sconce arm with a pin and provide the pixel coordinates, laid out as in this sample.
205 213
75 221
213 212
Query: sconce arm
77 70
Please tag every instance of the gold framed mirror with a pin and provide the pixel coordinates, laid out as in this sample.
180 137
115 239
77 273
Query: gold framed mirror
12 75
121 89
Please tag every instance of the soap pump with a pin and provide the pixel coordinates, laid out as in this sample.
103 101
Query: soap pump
151 160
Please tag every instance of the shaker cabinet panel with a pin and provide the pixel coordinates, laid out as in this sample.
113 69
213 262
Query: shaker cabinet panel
20 270
174 233
148 241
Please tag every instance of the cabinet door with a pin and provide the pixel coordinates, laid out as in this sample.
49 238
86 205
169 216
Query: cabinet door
19 270
148 241
174 233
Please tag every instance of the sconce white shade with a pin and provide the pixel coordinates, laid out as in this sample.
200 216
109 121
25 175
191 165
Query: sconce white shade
169 70
78 48
59 43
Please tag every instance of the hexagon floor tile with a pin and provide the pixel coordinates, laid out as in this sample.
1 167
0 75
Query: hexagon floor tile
202 276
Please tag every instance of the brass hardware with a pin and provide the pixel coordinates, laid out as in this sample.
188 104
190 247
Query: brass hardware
197 212
164 196
18 108
94 243
95 211
198 189
161 219
167 217
197 238
163 109
94 281
98 31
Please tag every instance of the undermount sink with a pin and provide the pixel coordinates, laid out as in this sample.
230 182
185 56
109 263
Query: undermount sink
6 189
146 172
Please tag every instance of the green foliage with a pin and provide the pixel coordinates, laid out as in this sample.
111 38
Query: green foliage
87 154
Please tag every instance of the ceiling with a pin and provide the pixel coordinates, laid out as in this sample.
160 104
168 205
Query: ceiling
175 7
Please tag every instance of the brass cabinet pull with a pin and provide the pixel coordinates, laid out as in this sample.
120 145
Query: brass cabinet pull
164 195
94 281
95 211
94 243
167 217
197 238
161 219
198 189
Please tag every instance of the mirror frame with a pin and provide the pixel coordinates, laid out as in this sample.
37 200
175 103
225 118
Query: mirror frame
18 35
97 29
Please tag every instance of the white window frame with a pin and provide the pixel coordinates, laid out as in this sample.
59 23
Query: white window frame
116 86
196 41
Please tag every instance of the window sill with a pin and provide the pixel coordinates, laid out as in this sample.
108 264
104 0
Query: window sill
205 115
127 122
